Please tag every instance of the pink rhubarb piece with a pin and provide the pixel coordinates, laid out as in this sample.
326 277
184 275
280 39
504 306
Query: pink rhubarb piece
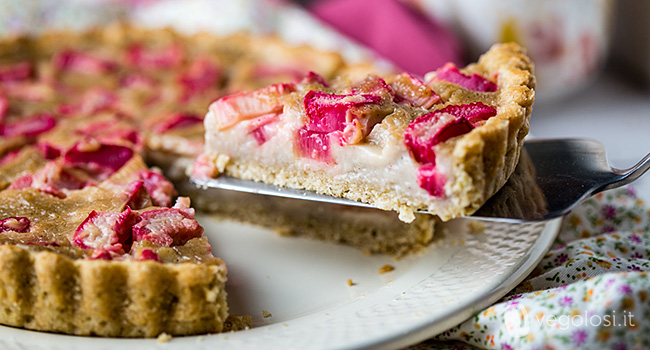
177 121
167 227
439 126
15 223
29 126
232 109
413 91
99 160
475 82
108 230
147 58
80 62
15 72
333 115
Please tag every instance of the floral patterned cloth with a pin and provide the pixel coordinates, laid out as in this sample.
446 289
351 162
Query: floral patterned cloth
590 291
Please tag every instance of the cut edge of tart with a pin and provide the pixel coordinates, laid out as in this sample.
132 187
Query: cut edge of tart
361 140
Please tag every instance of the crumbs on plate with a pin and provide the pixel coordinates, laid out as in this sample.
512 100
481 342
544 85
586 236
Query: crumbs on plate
386 268
164 337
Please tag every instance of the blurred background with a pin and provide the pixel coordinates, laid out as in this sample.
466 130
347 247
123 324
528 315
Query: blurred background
592 56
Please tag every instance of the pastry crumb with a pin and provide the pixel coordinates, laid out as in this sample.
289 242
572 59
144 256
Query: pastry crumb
164 337
266 314
386 268
237 323
350 282
406 215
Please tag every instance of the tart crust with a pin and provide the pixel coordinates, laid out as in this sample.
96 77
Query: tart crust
47 291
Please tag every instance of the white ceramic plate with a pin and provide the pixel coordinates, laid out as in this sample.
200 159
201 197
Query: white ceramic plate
303 284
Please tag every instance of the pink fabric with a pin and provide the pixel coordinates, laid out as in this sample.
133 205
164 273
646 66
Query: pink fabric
395 31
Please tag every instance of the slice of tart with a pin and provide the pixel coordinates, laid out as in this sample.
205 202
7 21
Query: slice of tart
444 143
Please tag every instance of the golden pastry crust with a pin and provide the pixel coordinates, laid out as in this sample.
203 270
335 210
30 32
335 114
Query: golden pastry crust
47 291
485 158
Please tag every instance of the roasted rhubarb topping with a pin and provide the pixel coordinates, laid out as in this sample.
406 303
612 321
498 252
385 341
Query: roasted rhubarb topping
373 85
429 130
474 113
450 73
148 254
313 145
430 179
158 187
29 90
314 78
29 126
9 156
101 254
411 90
99 160
258 127
238 107
97 100
147 58
138 197
106 231
329 112
439 126
167 227
4 108
70 60
111 233
200 76
204 167
15 72
48 151
177 121
53 179
138 80
17 224
110 132
346 118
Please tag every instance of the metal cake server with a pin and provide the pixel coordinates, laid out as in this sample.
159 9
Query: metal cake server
552 177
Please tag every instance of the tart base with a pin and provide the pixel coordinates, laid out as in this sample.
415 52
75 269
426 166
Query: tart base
45 291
